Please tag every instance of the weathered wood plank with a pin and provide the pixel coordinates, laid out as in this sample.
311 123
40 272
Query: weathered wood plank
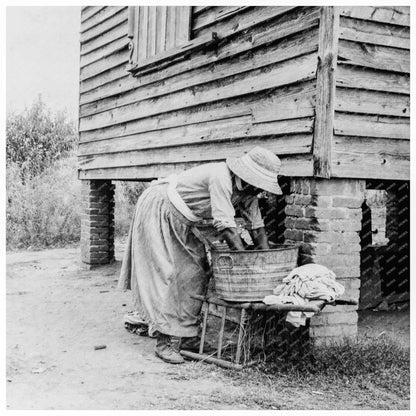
371 126
199 9
171 28
325 88
398 15
299 165
214 15
183 27
189 153
371 145
100 17
193 133
104 51
354 77
282 103
116 59
120 17
101 41
290 23
137 33
301 104
373 32
161 32
302 43
111 76
155 63
243 21
357 157
295 70
151 32
90 11
206 132
372 102
374 56
131 21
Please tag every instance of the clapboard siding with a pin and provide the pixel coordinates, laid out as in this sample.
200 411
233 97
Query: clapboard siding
213 15
104 51
372 103
256 86
374 56
235 23
185 154
280 104
284 50
398 15
371 126
350 100
215 131
283 26
120 16
116 59
299 165
116 33
89 11
98 18
359 157
373 80
296 70
374 33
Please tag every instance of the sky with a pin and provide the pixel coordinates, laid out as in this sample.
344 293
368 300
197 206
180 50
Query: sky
42 57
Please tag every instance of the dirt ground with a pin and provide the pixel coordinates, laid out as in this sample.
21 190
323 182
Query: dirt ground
56 314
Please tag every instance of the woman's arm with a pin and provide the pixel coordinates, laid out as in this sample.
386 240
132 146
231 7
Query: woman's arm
232 238
259 238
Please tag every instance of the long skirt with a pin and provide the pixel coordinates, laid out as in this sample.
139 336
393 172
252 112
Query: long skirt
164 265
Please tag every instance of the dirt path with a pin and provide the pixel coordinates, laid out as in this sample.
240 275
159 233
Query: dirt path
57 313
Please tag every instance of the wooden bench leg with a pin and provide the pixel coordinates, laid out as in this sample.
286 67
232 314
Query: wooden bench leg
205 308
242 328
221 334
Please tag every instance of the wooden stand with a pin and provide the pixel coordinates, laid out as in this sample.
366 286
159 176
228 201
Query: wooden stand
245 310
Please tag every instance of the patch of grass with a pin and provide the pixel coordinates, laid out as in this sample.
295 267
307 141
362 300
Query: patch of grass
361 362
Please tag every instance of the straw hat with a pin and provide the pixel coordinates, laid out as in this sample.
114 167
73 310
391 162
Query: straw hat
259 167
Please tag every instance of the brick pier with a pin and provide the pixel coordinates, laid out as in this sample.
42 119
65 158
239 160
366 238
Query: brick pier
97 222
324 216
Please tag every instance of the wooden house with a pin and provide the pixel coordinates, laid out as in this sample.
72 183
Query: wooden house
325 88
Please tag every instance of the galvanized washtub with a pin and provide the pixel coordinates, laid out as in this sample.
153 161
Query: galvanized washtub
248 276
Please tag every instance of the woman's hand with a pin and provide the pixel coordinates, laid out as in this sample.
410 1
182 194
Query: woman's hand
233 239
259 238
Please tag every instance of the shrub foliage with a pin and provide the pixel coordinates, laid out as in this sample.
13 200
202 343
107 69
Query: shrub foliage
43 191
35 138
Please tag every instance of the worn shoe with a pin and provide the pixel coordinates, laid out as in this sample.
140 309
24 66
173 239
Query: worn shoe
192 344
167 348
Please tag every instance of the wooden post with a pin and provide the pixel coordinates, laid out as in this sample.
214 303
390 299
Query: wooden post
325 91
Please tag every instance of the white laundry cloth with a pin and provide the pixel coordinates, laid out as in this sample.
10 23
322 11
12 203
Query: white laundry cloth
310 281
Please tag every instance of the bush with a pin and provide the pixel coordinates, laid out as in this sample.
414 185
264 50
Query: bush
126 196
43 210
35 139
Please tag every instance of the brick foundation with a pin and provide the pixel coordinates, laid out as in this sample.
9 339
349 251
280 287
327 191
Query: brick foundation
97 222
324 216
